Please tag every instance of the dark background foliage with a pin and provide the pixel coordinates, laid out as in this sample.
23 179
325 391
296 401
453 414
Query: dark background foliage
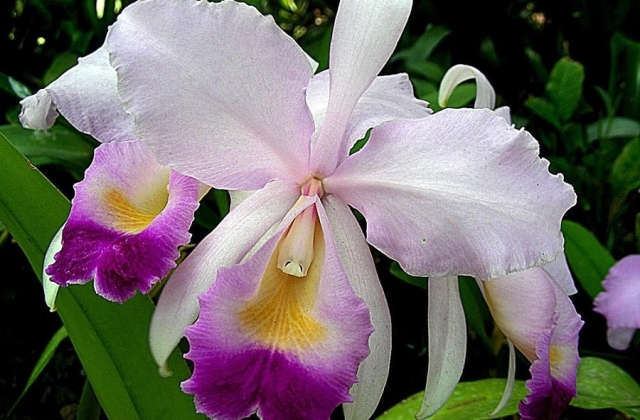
516 43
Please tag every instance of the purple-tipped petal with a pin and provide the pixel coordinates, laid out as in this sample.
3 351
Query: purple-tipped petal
227 245
127 220
216 89
619 301
388 98
87 96
286 347
458 192
535 313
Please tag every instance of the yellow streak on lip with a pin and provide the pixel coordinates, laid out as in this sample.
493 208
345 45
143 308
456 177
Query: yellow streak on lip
127 217
281 315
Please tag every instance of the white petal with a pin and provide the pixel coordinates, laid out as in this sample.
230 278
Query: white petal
485 95
358 264
217 90
87 96
51 288
447 343
364 36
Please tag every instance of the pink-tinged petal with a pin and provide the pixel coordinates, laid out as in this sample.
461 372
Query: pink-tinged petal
619 301
508 297
364 37
286 347
545 331
459 192
227 245
485 95
87 96
51 288
559 271
211 103
128 218
358 265
504 112
388 98
447 343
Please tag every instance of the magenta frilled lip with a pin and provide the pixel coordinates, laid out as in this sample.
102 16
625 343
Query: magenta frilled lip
284 346
128 218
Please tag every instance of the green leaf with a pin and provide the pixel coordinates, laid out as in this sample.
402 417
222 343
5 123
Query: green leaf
461 96
476 311
60 64
602 384
589 260
13 87
469 401
42 362
110 339
545 110
625 67
58 145
89 406
424 46
625 172
397 271
610 128
565 87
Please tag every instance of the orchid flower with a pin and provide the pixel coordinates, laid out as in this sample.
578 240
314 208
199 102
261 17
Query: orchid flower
129 215
292 319
619 301
546 332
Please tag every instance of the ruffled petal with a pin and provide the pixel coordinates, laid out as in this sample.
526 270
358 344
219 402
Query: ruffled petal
447 343
459 192
388 98
87 96
238 115
364 36
358 264
286 347
227 245
485 95
546 332
128 218
619 301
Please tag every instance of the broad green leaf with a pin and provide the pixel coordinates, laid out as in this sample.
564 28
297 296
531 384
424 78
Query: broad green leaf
89 406
13 87
461 96
625 172
589 260
42 362
469 401
610 128
58 145
565 87
602 384
426 69
424 45
60 64
545 110
110 339
625 68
